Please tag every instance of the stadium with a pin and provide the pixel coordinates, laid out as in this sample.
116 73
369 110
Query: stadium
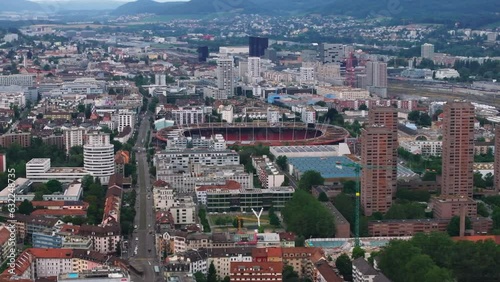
261 133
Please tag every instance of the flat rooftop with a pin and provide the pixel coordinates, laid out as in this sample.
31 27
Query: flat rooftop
326 166
38 161
305 149
67 170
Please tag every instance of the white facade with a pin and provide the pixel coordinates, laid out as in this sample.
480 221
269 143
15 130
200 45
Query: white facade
10 37
184 213
163 197
98 156
227 113
215 93
46 267
17 79
222 264
306 75
309 115
125 118
254 71
188 115
39 170
331 53
424 148
84 86
427 51
73 137
179 161
225 76
446 73
8 99
273 115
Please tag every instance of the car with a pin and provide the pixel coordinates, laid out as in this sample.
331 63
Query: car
137 238
135 226
149 225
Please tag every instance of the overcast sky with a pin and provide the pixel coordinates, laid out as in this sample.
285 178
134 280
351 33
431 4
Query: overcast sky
123 1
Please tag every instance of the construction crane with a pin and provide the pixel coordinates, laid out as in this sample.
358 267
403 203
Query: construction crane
357 170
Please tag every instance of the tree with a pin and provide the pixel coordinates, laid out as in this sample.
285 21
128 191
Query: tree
273 218
323 197
358 252
363 107
309 179
478 180
300 241
453 228
304 215
414 116
321 103
282 161
46 68
344 265
54 186
482 210
349 187
212 273
26 207
289 274
200 277
226 279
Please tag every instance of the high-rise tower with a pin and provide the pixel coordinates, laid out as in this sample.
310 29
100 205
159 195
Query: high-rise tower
458 149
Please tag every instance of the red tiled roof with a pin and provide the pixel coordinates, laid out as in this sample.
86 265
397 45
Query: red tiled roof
287 236
51 253
160 183
230 185
122 157
70 228
478 238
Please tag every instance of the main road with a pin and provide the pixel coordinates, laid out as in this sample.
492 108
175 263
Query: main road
142 242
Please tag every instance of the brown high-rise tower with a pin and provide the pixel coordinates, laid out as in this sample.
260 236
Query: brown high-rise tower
458 149
496 183
379 160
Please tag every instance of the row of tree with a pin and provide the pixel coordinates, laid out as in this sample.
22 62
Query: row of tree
436 258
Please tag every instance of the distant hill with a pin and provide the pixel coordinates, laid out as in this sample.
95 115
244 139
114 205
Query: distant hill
145 6
468 13
18 6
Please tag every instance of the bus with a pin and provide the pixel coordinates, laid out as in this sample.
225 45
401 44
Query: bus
157 269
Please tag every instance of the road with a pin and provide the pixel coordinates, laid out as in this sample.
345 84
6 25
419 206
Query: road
142 239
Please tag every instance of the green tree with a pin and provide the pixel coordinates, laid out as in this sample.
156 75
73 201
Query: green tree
212 273
479 180
482 210
358 252
323 197
363 107
349 187
309 179
282 161
300 241
46 68
200 277
304 215
289 274
226 279
344 265
54 186
453 228
26 207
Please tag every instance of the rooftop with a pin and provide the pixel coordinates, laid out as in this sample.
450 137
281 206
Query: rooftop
325 166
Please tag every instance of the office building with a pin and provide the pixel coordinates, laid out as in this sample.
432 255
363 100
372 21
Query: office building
188 115
179 161
225 76
125 118
17 79
448 206
12 97
99 156
379 160
257 46
39 170
160 79
253 72
306 75
376 74
228 200
73 136
458 149
331 53
203 53
427 51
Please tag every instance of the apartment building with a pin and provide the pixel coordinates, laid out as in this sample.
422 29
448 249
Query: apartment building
302 260
448 206
163 195
256 271
214 143
17 79
73 136
184 211
267 172
104 238
424 148
362 271
223 257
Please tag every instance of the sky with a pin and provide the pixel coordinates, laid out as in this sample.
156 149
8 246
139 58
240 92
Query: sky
119 1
